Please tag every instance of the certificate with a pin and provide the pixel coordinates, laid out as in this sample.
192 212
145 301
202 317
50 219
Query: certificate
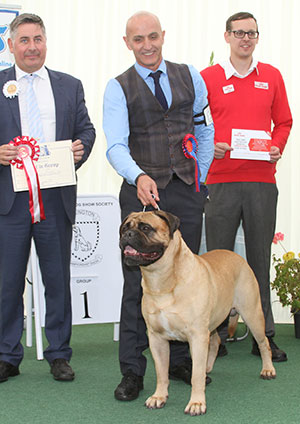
250 144
55 167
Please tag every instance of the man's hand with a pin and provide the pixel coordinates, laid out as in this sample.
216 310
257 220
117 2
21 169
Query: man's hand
275 154
146 189
7 153
78 150
221 149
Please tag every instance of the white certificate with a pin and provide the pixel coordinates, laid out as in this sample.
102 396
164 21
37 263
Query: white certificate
55 167
250 144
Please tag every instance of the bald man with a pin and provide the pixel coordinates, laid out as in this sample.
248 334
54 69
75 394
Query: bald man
145 127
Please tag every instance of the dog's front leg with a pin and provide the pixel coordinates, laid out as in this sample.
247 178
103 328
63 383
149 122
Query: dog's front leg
214 344
199 350
160 351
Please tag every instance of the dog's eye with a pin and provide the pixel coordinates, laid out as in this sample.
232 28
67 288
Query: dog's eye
145 227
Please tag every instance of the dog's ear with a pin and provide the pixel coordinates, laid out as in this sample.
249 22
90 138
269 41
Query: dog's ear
172 220
122 224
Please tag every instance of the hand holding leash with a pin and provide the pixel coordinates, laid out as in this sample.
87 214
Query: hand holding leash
144 208
147 191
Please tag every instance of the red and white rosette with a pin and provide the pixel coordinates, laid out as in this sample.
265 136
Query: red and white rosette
28 153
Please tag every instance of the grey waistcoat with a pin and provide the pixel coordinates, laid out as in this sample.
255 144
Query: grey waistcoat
155 139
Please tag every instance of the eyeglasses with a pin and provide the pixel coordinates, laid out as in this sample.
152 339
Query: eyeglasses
241 34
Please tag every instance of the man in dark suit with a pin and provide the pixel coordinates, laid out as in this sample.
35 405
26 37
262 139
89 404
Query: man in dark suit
63 116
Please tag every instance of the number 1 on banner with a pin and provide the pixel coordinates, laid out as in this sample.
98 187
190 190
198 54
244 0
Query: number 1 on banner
86 305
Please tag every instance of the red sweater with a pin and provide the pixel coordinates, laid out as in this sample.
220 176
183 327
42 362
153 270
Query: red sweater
248 107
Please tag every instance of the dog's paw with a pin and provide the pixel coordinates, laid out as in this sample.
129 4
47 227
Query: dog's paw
195 408
156 402
268 374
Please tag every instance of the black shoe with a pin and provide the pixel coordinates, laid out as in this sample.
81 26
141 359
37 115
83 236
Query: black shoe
222 351
7 370
278 355
130 386
207 380
61 370
183 372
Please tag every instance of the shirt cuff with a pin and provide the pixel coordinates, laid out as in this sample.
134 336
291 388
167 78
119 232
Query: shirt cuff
136 180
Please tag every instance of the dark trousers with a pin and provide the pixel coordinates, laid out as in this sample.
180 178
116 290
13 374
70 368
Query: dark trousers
181 200
53 244
255 205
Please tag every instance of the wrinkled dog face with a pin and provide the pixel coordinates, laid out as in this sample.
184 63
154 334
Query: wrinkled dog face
144 236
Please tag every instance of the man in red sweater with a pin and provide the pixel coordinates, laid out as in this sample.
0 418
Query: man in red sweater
246 95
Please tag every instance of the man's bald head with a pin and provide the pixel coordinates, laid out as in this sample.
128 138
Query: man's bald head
139 16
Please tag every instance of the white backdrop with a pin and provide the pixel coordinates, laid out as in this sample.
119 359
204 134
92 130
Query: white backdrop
85 39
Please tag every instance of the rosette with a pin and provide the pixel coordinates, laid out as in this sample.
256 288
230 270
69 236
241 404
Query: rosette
28 153
11 89
190 148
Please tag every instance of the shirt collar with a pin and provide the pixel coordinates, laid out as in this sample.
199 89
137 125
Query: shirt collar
42 73
144 72
231 71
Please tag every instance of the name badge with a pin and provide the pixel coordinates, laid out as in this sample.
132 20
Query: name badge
228 89
262 85
207 115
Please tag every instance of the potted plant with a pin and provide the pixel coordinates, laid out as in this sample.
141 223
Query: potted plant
287 281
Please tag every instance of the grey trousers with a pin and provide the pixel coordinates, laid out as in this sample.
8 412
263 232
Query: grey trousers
254 204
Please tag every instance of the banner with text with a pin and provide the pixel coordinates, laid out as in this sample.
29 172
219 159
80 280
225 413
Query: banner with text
96 271
7 14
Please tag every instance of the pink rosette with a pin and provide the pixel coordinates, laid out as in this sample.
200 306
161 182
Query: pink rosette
28 153
190 148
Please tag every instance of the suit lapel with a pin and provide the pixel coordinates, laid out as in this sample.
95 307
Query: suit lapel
13 103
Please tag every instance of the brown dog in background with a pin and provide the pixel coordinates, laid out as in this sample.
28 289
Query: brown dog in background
186 297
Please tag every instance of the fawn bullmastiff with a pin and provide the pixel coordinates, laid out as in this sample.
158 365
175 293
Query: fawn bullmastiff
186 297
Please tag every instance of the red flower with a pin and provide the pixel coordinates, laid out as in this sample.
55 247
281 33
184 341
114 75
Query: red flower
278 237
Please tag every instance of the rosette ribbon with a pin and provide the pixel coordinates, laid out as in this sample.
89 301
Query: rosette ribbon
28 153
190 148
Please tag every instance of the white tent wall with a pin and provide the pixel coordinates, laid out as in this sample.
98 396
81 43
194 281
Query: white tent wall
85 40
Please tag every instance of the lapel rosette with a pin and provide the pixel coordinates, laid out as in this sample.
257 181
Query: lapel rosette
11 89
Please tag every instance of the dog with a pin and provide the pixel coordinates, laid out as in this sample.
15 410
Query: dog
186 297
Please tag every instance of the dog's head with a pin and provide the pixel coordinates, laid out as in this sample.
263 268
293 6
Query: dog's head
144 236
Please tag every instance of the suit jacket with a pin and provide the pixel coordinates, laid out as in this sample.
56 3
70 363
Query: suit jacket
72 122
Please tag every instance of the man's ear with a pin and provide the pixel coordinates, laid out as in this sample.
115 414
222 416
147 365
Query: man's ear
226 36
127 42
10 45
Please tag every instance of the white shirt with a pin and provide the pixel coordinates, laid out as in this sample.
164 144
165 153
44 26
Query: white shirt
231 71
45 100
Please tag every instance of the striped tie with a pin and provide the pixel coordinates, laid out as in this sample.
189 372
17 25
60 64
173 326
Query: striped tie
33 112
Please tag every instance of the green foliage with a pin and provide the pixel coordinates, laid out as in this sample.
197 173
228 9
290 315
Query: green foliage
287 282
211 59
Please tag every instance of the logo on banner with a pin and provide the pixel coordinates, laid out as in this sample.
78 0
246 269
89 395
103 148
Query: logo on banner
86 238
3 29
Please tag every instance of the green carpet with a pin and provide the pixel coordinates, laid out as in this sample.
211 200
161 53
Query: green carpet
236 394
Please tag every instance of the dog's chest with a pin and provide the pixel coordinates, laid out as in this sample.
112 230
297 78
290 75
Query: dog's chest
163 322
